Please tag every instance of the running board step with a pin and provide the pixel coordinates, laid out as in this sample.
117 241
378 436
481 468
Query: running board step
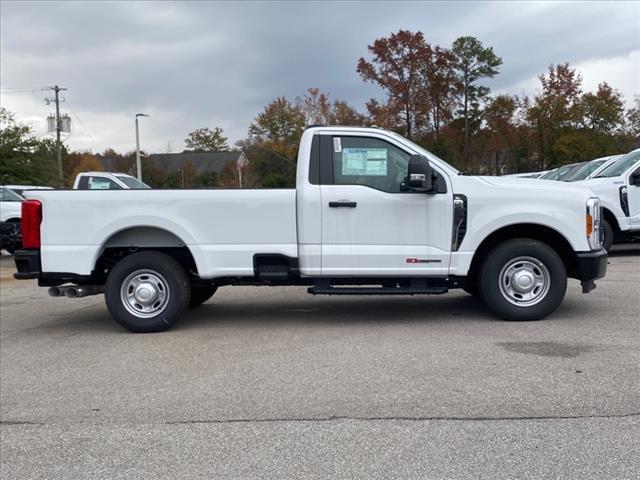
324 290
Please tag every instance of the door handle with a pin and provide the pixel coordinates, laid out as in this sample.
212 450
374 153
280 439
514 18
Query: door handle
343 203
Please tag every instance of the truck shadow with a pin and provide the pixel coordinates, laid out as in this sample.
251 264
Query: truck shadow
625 249
338 311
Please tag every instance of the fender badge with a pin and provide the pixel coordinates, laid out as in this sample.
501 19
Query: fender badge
422 260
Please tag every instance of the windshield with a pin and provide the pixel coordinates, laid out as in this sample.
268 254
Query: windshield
549 174
7 195
131 182
618 168
429 155
585 170
564 172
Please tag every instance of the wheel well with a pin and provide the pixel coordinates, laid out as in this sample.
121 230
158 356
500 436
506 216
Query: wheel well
524 230
14 220
611 218
126 242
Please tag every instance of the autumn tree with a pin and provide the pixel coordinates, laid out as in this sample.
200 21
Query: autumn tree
77 162
502 133
205 140
632 116
318 109
441 86
555 112
472 62
396 66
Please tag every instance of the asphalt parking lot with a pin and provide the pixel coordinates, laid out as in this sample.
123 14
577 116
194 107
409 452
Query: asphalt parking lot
274 383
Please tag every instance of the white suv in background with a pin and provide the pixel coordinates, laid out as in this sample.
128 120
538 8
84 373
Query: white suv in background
618 186
10 215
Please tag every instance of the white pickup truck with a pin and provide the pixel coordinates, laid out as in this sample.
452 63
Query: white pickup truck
618 187
372 214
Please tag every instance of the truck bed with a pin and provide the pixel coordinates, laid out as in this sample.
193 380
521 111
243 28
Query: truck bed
222 228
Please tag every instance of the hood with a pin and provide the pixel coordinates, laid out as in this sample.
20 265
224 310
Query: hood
604 183
533 183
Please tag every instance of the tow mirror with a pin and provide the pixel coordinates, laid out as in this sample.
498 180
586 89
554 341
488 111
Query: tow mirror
635 179
419 177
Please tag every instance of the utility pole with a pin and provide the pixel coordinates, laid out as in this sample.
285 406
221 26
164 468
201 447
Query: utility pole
56 99
138 163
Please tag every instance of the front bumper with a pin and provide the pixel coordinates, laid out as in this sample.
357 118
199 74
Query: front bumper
27 264
590 266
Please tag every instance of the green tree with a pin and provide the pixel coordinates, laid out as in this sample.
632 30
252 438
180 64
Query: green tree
556 111
278 128
205 140
25 159
472 62
603 111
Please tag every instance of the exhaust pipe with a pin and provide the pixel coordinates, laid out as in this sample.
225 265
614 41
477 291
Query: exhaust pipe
76 291
83 291
56 292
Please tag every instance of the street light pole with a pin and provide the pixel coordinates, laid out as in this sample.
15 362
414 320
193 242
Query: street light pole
138 163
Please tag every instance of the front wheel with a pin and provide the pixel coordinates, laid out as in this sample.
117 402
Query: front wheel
607 235
147 292
523 279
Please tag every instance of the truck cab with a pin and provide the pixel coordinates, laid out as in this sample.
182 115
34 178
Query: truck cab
107 181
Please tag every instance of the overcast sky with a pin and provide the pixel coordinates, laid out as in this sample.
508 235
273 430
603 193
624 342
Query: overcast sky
207 64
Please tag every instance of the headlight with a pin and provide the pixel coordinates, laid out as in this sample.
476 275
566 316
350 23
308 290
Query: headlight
593 223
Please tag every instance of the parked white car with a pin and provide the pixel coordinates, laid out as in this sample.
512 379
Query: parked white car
618 187
107 181
372 214
10 214
610 160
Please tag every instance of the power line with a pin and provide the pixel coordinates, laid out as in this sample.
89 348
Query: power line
87 131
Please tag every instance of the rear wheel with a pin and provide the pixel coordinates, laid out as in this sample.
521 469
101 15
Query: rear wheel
147 292
523 279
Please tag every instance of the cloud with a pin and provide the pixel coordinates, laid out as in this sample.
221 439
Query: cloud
196 64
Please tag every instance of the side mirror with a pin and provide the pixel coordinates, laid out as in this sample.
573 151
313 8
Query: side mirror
419 176
635 179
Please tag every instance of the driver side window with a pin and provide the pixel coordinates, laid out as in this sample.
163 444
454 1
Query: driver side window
369 162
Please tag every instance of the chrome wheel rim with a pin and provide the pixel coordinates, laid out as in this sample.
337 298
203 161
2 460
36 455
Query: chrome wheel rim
524 281
145 293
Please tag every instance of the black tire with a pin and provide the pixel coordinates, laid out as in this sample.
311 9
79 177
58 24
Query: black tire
607 235
471 287
170 278
520 253
200 294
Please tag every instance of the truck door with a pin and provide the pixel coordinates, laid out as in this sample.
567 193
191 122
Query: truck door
370 224
633 195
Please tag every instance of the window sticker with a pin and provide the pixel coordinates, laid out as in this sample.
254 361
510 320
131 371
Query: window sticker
337 145
364 161
377 162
